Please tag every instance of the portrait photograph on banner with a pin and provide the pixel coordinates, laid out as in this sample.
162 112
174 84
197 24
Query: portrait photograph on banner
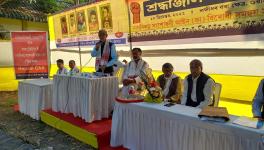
93 19
106 16
64 27
72 23
81 22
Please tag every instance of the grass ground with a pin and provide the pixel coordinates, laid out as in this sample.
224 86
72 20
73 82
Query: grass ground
240 88
35 133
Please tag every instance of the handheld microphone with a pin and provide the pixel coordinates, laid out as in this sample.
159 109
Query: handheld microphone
100 42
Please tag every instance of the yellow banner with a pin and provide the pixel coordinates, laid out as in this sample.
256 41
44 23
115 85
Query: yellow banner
153 20
79 26
156 20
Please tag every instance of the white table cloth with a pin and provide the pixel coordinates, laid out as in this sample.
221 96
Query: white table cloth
145 126
89 98
34 96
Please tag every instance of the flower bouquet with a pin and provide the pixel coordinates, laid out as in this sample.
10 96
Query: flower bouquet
154 94
134 94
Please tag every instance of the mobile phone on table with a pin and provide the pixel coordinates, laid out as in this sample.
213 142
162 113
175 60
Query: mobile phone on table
169 104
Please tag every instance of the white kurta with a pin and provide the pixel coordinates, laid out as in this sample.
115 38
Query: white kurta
63 71
75 70
132 71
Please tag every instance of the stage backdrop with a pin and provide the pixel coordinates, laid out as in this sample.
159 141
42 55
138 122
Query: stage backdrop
30 54
79 26
176 20
172 24
162 22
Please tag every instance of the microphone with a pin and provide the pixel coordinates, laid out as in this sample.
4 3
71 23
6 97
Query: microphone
98 44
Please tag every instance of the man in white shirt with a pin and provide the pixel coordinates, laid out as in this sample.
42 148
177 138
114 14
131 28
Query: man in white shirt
61 68
73 68
198 87
132 71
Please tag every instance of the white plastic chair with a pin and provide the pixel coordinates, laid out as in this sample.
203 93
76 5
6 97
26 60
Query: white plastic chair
217 93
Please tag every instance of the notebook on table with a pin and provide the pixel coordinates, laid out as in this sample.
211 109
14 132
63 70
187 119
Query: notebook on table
215 114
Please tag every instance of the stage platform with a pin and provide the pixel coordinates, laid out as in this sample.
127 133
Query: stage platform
96 134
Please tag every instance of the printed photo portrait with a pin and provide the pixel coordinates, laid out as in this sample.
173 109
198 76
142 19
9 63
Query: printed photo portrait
64 28
106 16
72 23
93 19
81 23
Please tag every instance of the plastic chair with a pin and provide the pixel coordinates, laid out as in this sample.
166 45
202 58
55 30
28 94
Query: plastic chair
119 74
217 93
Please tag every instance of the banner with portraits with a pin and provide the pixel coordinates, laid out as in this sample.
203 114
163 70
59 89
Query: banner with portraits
79 26
159 20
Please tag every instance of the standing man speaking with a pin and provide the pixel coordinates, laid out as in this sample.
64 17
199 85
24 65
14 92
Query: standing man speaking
105 53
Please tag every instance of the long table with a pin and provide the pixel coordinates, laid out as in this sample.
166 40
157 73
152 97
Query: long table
145 126
89 98
34 96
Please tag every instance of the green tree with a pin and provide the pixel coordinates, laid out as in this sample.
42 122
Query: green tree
51 6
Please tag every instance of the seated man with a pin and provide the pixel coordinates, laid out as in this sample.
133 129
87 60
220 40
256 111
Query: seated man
132 71
61 68
170 84
73 67
198 87
258 102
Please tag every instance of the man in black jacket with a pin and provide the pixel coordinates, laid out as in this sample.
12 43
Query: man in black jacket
198 87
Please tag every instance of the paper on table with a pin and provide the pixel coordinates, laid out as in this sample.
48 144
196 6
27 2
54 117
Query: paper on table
249 122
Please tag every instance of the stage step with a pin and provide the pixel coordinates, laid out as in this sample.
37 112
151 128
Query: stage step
96 134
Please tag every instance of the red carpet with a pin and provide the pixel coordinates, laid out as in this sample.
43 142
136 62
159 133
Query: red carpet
101 128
